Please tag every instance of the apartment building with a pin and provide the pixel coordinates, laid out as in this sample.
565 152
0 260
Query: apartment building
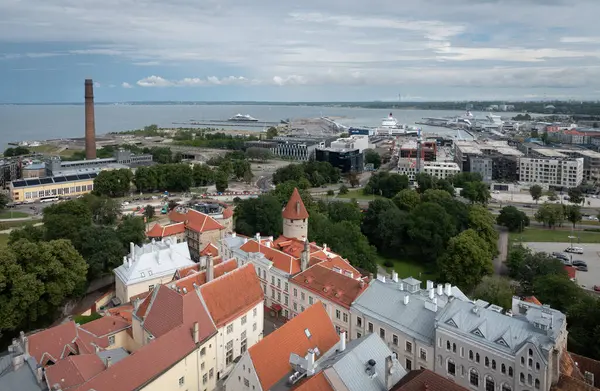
150 265
440 170
200 229
403 315
555 169
481 348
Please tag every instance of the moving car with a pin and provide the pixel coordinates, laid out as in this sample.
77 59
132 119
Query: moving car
575 250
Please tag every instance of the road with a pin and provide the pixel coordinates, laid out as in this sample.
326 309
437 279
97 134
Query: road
500 260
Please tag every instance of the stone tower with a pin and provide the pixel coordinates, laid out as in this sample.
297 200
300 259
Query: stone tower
295 218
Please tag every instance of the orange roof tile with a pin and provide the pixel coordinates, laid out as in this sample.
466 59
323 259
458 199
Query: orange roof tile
532 299
145 364
195 268
295 209
567 383
233 294
227 212
177 217
210 249
281 260
316 383
200 222
199 278
333 262
106 325
55 343
158 231
74 370
124 311
271 356
330 285
571 272
293 246
424 379
140 296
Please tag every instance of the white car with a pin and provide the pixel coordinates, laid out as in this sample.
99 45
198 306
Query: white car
574 250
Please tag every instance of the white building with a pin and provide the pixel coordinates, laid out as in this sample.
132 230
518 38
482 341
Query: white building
150 265
355 141
440 170
552 170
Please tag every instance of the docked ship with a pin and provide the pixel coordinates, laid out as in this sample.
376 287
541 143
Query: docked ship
242 118
391 127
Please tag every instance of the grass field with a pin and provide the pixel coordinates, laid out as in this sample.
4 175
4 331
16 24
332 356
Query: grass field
555 235
53 149
406 268
358 194
12 215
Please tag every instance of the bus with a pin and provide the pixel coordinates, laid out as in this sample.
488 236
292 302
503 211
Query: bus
49 199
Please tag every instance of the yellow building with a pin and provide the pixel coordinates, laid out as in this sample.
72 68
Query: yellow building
39 189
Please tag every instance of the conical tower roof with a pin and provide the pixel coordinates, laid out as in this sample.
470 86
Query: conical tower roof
295 209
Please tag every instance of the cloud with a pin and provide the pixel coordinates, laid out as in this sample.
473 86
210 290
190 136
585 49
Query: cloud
157 81
126 85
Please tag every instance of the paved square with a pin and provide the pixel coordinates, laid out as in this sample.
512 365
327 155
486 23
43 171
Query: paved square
591 255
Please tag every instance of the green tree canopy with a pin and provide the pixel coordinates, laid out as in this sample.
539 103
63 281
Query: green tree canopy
407 199
259 215
372 157
513 219
386 184
113 183
476 192
430 228
550 215
573 213
576 195
496 290
434 195
536 192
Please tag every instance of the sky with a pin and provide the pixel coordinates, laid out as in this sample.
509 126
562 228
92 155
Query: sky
273 50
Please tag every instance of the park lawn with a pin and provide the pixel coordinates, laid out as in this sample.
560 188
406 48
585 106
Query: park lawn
554 235
14 215
3 240
358 194
406 268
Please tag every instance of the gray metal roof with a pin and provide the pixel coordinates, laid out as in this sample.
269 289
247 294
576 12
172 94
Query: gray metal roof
23 379
503 332
413 318
115 355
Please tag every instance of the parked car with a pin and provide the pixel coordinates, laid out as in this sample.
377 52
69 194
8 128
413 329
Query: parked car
579 263
597 288
575 250
566 262
560 256
582 268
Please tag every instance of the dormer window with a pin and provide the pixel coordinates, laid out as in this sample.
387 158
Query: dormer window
477 332
501 341
451 323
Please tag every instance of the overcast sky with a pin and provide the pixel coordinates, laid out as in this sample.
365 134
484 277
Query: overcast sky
274 50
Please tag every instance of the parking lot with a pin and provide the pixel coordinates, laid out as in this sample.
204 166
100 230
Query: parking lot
591 255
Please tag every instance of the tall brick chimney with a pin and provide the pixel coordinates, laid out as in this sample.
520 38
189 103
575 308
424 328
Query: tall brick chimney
90 125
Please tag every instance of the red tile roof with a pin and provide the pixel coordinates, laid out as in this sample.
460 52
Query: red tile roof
158 231
271 356
293 246
316 383
586 364
169 310
74 370
106 325
425 380
233 294
200 222
330 285
177 217
124 311
146 363
140 296
227 212
199 278
333 262
295 209
571 272
532 299
195 268
281 260
57 342
210 249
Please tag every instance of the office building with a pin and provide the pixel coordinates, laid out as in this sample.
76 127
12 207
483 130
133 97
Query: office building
122 159
359 142
553 170
294 148
494 160
347 160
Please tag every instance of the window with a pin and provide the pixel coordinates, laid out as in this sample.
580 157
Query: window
272 293
529 379
451 367
211 373
503 368
254 311
489 384
537 384
370 327
487 362
295 292
181 381
423 354
295 307
510 371
204 378
310 300
111 340
493 364
530 362
537 366
453 348
470 355
530 352
202 352
474 378
408 347
522 360
382 333
229 354
254 327
279 297
302 296
202 366
244 320
246 383
244 343
285 286
462 352
359 322
272 280
447 345
395 339
279 283
285 299
506 387
337 329
358 335
338 314
230 329
408 365
345 317
522 377
476 357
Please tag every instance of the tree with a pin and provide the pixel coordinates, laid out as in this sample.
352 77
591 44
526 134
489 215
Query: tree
221 181
17 151
430 228
476 192
552 195
102 250
536 192
352 178
343 190
525 266
557 291
113 183
407 199
28 232
149 212
573 213
3 201
372 157
241 169
583 318
460 179
434 195
550 215
370 222
104 210
425 182
272 132
496 290
513 219
386 184
466 261
261 214
131 229
258 154
392 239
482 222
65 220
576 195
446 185
344 211
203 175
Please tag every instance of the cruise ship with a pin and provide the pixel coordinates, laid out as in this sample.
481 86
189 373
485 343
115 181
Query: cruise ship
242 118
391 127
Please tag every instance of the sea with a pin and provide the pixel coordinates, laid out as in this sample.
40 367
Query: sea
43 122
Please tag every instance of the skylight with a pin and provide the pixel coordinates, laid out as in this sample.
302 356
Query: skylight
307 332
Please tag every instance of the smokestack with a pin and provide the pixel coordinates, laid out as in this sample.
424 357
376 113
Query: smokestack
90 125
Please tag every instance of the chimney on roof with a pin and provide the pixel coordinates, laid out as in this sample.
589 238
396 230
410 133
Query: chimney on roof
56 387
389 372
440 289
271 238
370 276
342 342
304 256
108 361
258 237
429 284
245 240
268 244
125 261
233 234
406 299
448 289
431 293
394 276
310 362
210 271
196 334
362 283
131 250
